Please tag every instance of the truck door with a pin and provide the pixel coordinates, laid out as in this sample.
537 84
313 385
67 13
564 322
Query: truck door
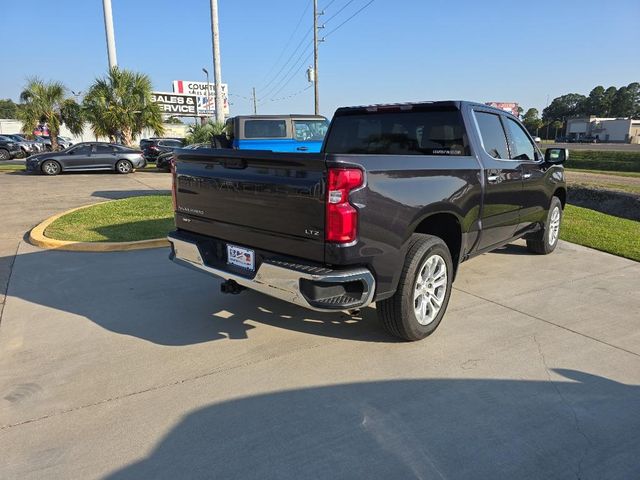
502 181
534 200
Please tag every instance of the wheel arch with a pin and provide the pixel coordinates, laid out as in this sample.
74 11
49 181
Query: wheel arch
447 226
561 193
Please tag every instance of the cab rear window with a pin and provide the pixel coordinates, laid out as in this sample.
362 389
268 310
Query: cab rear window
265 129
430 132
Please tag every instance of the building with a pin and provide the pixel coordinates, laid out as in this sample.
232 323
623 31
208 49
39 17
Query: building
615 130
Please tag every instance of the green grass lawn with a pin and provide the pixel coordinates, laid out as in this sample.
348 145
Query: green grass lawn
136 218
605 172
11 167
604 160
615 235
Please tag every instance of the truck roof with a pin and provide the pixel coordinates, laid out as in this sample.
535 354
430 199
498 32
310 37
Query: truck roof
287 115
411 105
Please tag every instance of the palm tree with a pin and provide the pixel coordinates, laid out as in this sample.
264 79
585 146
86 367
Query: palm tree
119 105
46 102
203 133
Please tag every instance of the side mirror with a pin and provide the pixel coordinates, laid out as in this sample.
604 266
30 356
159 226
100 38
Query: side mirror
556 155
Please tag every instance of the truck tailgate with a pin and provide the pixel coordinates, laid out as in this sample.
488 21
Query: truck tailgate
262 199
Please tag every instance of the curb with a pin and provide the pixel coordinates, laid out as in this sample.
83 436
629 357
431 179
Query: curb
38 238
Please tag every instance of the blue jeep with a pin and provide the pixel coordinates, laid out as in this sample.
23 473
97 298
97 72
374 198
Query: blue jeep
278 133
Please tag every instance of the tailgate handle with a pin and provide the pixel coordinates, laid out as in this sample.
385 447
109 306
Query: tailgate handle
234 163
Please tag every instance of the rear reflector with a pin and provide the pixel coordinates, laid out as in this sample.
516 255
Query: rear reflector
342 217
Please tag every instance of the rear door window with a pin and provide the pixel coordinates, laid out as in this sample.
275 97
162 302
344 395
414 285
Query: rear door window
492 133
427 132
104 149
265 129
310 130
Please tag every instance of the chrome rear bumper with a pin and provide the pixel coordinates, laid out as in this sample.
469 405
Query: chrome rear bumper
284 280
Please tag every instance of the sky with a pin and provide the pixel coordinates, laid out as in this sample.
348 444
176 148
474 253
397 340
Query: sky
392 51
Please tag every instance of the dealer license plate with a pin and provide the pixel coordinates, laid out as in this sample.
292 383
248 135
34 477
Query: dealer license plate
241 257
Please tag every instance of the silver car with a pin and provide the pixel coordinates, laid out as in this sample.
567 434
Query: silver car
85 157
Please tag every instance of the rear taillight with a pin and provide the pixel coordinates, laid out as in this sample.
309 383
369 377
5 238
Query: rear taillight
342 217
172 165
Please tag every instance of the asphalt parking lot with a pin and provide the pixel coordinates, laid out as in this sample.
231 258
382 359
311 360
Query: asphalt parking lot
124 365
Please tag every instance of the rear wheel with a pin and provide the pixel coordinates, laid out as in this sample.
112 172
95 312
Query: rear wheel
420 302
4 154
546 240
51 167
124 166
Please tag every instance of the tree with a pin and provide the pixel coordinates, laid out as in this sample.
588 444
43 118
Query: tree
45 102
119 106
203 133
626 102
595 103
557 124
532 121
569 105
8 109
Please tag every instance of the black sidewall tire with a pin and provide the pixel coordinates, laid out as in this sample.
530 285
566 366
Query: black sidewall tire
397 313
541 244
4 154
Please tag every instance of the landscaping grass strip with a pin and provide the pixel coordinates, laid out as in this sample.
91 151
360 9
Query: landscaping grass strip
603 232
131 219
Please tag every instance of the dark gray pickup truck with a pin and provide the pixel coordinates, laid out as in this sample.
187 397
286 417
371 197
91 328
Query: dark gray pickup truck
398 197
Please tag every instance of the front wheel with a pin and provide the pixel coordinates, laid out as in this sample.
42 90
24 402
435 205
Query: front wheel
51 167
124 166
420 302
546 240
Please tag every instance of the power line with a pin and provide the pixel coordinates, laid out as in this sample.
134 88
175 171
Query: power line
291 95
328 5
302 40
277 85
288 42
292 76
339 11
356 13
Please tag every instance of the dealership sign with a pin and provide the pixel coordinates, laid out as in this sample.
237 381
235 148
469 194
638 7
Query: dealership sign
511 107
205 93
175 104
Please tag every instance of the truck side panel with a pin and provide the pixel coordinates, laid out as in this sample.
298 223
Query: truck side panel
395 200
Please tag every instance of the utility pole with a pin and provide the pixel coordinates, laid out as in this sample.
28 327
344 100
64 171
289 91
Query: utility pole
316 94
206 72
217 74
255 105
108 28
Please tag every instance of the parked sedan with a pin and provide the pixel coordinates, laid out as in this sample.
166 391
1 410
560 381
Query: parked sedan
63 142
87 156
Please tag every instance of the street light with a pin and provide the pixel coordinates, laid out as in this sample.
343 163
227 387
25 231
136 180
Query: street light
206 72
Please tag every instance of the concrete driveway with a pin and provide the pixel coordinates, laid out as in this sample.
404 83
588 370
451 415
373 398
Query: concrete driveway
124 365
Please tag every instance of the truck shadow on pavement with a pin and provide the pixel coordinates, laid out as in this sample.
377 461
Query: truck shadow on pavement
588 427
143 294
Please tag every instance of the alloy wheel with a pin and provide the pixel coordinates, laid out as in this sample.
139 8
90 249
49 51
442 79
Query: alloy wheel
430 289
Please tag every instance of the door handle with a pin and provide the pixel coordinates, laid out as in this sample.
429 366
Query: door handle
526 175
492 178
302 149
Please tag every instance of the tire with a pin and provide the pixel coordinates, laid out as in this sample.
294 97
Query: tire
545 241
124 167
398 313
4 154
50 167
